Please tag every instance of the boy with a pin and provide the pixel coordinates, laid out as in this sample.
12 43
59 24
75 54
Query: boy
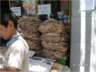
17 54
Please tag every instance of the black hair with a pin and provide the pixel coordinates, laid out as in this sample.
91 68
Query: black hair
8 16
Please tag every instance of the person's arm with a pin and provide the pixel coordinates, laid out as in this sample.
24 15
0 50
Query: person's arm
8 70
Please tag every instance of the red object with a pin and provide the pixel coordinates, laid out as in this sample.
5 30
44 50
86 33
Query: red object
65 2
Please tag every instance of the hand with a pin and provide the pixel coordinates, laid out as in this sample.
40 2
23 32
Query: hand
8 70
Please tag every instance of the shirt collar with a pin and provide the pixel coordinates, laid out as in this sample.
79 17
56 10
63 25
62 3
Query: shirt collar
13 39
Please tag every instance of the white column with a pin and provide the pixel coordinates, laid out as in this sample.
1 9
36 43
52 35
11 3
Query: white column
93 44
82 41
75 37
81 36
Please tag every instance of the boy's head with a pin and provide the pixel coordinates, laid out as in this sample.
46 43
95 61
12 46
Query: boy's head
8 25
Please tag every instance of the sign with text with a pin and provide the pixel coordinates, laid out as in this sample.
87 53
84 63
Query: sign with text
44 9
16 10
